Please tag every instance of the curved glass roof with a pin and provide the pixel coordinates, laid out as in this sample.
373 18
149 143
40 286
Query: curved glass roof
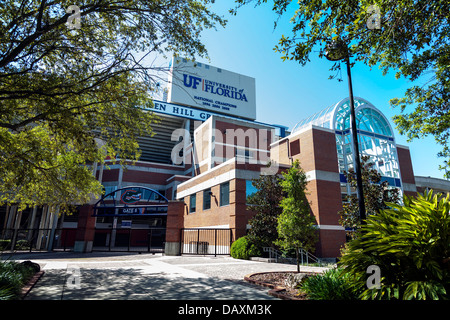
337 117
375 138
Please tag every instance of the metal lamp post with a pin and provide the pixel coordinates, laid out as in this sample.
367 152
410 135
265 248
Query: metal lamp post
336 51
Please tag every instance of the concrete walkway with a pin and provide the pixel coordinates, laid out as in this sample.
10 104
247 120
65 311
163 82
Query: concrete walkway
119 276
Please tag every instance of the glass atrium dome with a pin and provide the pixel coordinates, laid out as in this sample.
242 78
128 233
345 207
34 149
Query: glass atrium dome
375 136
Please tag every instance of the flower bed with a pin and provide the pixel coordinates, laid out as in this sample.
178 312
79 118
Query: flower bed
281 283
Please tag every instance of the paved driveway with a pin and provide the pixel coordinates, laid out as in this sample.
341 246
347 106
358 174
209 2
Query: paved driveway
114 276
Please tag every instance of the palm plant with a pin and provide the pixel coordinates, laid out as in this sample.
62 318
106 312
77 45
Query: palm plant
410 244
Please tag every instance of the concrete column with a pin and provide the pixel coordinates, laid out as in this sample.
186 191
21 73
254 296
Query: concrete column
100 174
46 226
41 226
11 213
6 218
112 240
33 218
16 228
53 225
11 217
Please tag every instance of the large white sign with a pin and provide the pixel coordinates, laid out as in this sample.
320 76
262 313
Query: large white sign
210 88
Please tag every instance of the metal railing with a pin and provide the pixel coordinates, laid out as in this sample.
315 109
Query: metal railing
305 257
205 241
37 239
130 239
63 239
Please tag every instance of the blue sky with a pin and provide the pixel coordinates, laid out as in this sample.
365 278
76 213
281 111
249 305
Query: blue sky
287 92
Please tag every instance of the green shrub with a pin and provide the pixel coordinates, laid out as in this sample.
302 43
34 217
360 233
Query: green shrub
22 245
410 244
13 276
333 284
6 294
242 248
5 244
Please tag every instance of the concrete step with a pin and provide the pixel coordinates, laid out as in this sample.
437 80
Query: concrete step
260 259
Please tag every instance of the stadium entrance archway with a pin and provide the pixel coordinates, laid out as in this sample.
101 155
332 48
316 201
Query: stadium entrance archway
131 219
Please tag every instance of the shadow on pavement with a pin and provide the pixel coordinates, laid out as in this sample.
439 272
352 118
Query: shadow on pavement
135 284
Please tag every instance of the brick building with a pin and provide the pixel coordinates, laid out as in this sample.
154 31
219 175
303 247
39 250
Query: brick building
194 175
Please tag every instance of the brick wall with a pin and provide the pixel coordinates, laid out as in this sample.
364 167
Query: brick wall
330 243
406 171
405 163
175 213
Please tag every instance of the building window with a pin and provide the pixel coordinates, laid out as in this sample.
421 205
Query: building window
192 201
108 190
225 194
295 147
207 199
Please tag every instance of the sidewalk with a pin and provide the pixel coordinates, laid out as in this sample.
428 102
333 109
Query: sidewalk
115 276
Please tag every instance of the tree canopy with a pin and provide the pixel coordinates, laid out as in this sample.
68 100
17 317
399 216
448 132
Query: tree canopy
74 91
410 37
266 203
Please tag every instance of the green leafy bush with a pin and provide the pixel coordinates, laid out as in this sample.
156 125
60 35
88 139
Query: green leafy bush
333 284
410 244
6 294
242 248
22 245
13 276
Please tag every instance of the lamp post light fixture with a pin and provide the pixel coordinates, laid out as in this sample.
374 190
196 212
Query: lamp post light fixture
337 50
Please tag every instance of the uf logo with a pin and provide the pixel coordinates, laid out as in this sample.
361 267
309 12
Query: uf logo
193 81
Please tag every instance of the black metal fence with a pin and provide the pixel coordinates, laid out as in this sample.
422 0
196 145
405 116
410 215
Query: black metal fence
139 240
130 239
206 241
196 241
37 239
